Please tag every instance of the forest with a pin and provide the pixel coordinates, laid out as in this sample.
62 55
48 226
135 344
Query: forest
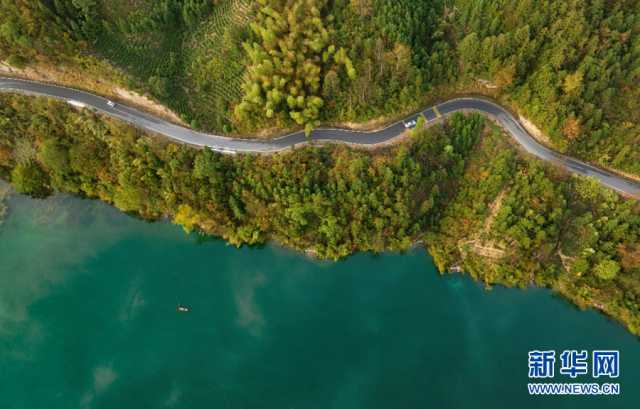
518 222
237 66
573 68
331 200
292 53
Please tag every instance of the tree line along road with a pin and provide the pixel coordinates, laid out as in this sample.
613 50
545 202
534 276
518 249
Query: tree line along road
229 145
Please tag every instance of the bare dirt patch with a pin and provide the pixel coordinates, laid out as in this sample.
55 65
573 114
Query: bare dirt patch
147 103
483 250
480 244
534 131
494 208
566 260
371 125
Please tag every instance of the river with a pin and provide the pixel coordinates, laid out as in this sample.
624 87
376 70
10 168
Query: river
88 319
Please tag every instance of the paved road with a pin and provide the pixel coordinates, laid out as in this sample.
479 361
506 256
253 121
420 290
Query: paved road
235 145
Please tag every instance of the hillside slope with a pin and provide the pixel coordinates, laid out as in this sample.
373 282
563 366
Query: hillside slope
572 68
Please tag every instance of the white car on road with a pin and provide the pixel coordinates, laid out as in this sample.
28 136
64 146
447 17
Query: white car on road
111 103
411 124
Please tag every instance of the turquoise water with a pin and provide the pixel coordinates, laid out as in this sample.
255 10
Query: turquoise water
88 320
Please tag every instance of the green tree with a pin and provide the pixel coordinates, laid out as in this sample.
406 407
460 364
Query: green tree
29 178
291 53
607 269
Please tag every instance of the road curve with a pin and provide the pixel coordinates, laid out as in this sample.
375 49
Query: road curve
226 144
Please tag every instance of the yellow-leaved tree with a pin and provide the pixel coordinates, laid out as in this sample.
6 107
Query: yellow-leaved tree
290 54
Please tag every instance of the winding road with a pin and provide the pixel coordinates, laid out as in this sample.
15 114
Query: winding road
230 145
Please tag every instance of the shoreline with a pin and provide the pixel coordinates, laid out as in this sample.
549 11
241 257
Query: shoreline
418 245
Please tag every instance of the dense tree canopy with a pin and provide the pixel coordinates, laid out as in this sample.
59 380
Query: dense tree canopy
573 67
334 200
292 53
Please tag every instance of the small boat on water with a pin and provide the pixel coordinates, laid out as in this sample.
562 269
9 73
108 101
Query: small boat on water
182 308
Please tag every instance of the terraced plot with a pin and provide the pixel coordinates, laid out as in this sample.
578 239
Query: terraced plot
193 63
215 64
